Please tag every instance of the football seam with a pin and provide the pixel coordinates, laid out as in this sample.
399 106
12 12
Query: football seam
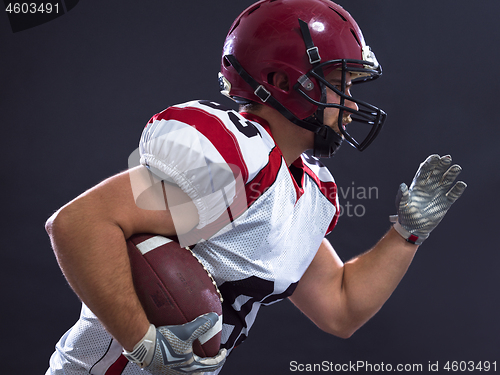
208 273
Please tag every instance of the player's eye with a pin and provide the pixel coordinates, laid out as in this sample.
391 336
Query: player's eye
336 85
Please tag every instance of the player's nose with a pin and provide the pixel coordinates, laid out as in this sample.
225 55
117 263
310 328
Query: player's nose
352 105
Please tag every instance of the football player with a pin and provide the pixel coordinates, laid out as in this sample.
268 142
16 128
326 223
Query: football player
240 188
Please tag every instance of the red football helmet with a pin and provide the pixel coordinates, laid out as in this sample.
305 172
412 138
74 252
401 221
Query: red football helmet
306 39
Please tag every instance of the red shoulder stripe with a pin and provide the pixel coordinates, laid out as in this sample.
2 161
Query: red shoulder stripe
213 129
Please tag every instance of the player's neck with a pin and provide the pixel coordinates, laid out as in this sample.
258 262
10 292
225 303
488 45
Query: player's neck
291 139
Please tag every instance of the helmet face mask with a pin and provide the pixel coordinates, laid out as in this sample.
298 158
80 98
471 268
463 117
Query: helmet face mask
306 40
360 71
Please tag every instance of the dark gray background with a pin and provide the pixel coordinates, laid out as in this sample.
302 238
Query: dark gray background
77 91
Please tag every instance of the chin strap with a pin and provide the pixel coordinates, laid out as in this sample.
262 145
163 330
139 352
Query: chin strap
265 96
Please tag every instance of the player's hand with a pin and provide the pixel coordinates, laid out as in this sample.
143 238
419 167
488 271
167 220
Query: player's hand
421 207
170 352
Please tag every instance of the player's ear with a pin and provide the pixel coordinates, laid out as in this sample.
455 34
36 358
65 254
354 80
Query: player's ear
279 79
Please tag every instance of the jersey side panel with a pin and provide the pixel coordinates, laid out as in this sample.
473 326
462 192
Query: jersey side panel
261 258
325 182
87 348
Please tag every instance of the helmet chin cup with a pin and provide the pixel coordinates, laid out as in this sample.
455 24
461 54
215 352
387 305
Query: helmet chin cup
326 142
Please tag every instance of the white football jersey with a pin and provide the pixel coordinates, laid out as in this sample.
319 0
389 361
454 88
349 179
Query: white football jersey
261 223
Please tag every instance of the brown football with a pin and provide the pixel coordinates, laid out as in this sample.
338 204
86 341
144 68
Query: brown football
174 287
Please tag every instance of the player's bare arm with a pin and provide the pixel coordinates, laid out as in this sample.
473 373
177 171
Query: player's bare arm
339 298
88 237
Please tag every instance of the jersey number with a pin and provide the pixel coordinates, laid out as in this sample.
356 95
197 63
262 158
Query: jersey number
238 306
245 127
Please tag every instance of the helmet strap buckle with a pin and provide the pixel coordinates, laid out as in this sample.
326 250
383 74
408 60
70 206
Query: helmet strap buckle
262 93
313 54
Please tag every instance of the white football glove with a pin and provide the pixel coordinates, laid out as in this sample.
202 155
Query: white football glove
168 350
421 207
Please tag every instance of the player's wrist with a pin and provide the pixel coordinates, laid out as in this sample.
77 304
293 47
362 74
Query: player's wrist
409 236
143 351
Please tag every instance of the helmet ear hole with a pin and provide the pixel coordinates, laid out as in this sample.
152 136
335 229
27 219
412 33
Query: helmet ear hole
279 80
270 77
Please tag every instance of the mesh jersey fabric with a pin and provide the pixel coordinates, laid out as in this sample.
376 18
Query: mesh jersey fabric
224 161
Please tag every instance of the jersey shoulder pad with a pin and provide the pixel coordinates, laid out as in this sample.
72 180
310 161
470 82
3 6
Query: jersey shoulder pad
206 149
